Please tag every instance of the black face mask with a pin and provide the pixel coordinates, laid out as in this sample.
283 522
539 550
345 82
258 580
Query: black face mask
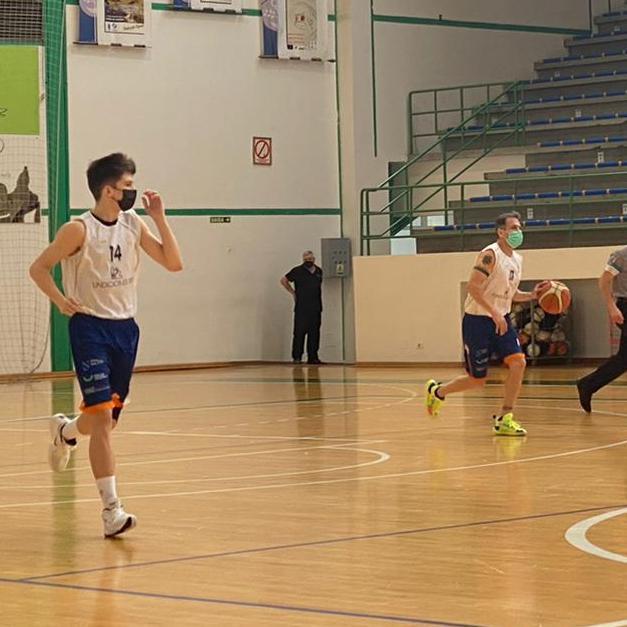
309 264
128 199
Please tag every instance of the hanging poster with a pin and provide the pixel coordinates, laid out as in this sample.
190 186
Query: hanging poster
87 22
270 25
303 29
124 22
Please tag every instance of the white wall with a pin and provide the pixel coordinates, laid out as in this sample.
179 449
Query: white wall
427 328
228 305
186 110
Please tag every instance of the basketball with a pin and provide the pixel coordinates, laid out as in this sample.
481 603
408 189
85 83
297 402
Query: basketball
531 328
554 298
558 335
543 336
538 314
562 348
533 351
523 338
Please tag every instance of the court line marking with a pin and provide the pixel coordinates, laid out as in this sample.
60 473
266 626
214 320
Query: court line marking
150 462
313 438
277 486
333 541
252 405
236 603
577 536
618 623
381 456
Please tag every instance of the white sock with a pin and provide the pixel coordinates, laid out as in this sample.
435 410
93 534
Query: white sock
70 431
108 491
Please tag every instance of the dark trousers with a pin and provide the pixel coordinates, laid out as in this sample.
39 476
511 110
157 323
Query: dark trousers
615 365
306 323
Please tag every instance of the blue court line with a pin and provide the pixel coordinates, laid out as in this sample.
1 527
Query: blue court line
246 604
280 547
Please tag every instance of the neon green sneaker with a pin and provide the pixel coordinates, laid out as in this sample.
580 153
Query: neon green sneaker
506 425
432 402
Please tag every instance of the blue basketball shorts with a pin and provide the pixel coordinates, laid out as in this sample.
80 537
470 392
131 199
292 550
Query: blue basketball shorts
481 341
104 353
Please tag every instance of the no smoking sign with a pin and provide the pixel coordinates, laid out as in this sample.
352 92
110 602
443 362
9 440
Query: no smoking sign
262 150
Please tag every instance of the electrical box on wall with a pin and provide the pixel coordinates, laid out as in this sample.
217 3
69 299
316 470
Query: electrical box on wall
336 256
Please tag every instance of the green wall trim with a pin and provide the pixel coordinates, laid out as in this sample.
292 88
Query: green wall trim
373 70
238 212
58 160
523 28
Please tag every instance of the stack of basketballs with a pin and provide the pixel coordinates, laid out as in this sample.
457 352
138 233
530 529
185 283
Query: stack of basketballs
541 328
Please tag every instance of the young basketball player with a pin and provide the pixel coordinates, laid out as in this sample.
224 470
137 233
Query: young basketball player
99 254
486 326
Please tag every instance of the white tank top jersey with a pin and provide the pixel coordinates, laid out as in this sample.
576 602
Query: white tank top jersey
102 275
501 285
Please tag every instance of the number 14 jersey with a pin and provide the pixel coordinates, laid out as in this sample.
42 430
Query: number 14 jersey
102 275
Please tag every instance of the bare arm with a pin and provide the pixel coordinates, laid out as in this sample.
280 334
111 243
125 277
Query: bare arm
165 249
606 284
286 284
478 278
67 242
525 297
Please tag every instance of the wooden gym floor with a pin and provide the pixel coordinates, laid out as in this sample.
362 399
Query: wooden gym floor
278 495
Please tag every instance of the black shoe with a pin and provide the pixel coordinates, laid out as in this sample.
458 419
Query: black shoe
585 397
315 362
297 361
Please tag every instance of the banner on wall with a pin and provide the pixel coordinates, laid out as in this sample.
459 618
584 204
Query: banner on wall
270 21
19 91
124 22
87 22
303 29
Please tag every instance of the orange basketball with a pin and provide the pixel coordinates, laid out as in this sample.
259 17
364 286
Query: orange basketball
562 348
554 298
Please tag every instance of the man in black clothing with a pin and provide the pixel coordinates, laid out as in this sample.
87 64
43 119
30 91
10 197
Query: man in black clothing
307 293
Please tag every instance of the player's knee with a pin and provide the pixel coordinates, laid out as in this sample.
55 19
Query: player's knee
478 382
101 421
517 363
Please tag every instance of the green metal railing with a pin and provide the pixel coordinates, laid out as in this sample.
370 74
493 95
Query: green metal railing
462 205
452 109
458 139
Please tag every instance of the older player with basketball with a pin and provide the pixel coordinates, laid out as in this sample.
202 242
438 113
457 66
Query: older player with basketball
100 253
486 326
